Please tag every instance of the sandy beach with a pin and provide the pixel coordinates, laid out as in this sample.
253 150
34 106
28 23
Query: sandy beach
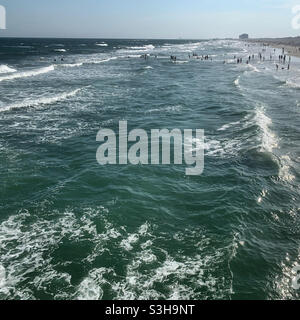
291 44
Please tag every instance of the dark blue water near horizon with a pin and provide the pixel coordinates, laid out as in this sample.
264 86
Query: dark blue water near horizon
72 229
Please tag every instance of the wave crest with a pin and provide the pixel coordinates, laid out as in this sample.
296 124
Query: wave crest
26 74
6 69
41 101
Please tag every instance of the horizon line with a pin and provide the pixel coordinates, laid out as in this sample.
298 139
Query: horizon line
132 38
111 38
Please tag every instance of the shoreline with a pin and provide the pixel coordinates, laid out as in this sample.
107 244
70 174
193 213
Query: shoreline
291 45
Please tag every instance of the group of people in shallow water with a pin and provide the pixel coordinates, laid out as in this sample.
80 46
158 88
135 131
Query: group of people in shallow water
195 55
174 58
261 57
203 57
282 59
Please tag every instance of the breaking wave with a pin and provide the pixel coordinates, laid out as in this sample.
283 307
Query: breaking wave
101 44
6 69
40 101
26 74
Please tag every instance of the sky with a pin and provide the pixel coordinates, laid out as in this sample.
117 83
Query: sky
164 19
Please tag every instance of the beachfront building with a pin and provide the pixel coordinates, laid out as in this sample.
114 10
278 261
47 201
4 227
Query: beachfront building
244 36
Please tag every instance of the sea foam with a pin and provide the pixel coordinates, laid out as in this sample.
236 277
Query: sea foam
6 69
26 74
268 138
40 101
101 44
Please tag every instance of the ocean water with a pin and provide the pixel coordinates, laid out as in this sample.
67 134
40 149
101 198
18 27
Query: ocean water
72 229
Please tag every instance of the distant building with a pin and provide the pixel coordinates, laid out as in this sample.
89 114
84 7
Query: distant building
244 36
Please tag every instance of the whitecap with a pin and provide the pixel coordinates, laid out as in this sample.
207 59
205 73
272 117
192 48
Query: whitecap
169 109
230 61
127 243
262 196
180 62
237 82
268 138
26 238
133 238
23 247
292 84
2 277
6 69
26 74
90 287
253 68
131 56
284 170
41 101
227 126
101 44
146 47
71 65
97 61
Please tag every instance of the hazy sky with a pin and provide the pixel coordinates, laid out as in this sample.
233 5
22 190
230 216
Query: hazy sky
148 19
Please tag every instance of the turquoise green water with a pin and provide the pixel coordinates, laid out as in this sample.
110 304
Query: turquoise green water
72 229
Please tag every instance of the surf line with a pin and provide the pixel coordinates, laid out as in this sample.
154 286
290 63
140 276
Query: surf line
134 147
